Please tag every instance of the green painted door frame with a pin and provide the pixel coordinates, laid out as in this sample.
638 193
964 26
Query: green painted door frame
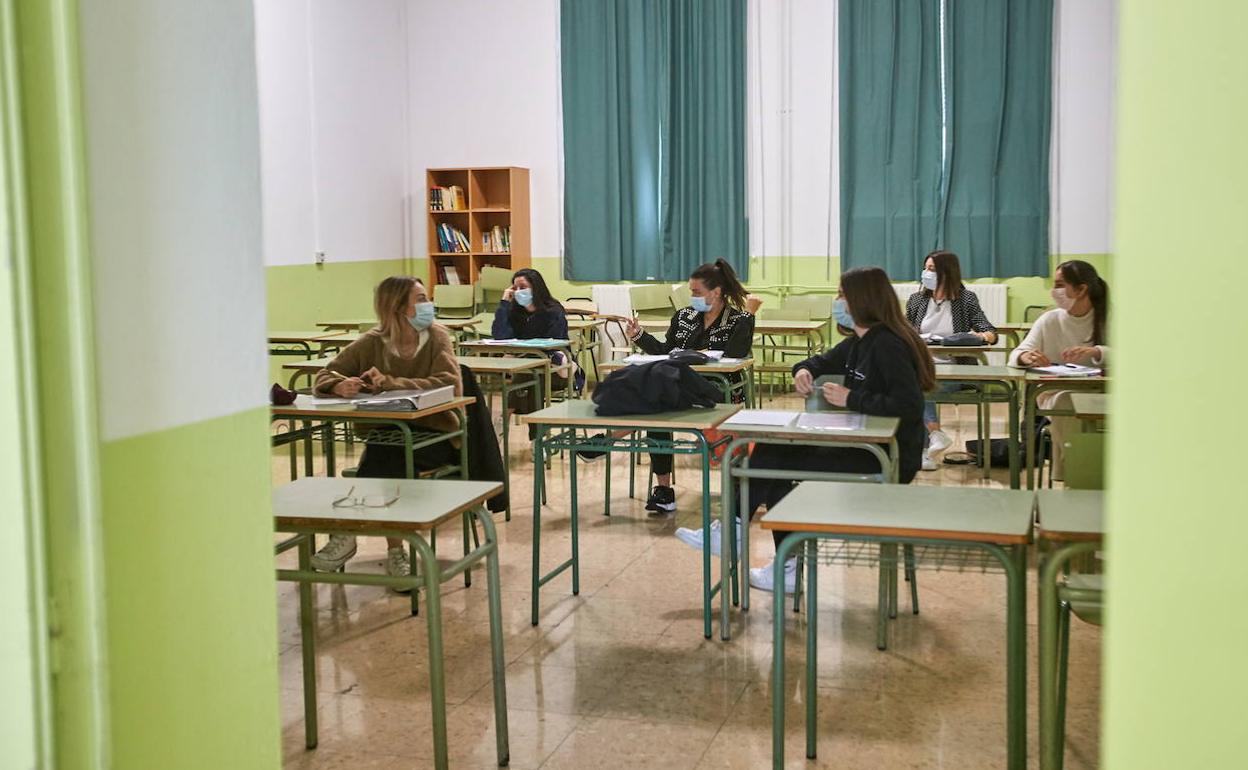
45 243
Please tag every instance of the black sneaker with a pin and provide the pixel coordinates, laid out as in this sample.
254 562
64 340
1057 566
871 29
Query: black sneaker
662 500
589 455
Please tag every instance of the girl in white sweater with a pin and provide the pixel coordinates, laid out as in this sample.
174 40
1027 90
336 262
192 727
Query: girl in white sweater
1073 332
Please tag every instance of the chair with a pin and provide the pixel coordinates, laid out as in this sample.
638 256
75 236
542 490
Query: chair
1084 461
492 282
1024 294
454 301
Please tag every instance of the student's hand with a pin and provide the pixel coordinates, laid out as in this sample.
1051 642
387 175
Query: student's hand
804 382
989 338
348 388
752 303
374 379
632 328
508 293
1079 353
1034 358
836 395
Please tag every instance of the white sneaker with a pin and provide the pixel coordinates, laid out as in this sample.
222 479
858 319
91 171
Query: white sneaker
928 463
397 565
763 578
334 554
938 441
693 537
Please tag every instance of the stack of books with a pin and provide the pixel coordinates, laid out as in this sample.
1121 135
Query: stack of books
447 198
452 239
496 240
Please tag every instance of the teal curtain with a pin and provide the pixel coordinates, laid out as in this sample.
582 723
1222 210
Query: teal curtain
996 216
653 137
890 133
959 162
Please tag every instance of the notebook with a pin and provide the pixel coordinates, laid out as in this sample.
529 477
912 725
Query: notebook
1068 370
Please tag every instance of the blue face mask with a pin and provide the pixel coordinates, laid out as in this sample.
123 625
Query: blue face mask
928 279
524 297
840 311
699 304
425 312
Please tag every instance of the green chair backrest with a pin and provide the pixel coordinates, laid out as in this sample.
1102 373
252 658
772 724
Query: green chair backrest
1085 461
457 301
651 300
784 313
679 295
817 306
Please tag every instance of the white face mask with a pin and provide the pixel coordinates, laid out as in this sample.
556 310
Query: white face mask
928 279
1062 299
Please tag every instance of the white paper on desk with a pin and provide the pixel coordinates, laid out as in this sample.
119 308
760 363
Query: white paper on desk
768 417
511 341
724 360
1068 370
304 401
641 358
714 355
831 421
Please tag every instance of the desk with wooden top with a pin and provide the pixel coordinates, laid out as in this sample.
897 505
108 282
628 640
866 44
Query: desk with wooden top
719 372
1035 385
1013 331
1071 521
542 352
878 436
566 418
987 385
306 507
958 527
296 343
330 419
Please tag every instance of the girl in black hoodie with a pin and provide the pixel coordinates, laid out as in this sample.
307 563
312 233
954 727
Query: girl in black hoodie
886 367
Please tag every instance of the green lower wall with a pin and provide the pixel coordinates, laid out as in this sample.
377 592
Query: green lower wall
190 597
1176 681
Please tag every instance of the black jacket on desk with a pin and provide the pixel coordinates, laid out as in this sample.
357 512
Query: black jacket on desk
732 332
659 386
879 372
512 322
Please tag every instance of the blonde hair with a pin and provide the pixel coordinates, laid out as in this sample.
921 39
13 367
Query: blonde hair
390 303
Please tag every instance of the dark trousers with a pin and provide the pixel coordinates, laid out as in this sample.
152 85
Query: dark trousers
381 461
801 458
529 400
660 464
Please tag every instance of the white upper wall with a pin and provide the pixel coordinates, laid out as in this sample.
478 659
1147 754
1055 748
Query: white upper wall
171 127
498 104
485 92
333 116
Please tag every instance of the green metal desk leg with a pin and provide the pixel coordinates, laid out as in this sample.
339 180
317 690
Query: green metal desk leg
787 547
1016 657
497 662
576 529
812 645
506 444
606 485
539 476
1049 618
437 674
912 577
725 528
706 535
307 643
1029 430
881 614
745 532
1015 439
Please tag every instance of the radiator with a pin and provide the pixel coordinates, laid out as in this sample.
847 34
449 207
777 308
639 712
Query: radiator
992 298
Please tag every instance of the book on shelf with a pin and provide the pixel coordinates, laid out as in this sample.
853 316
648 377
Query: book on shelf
496 240
449 272
447 198
452 239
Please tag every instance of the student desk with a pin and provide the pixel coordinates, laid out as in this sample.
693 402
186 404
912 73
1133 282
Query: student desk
542 352
514 375
1013 332
305 507
950 527
584 332
716 371
307 369
877 436
1035 385
333 418
568 417
1071 522
990 385
295 343
1092 408
978 352
811 330
348 324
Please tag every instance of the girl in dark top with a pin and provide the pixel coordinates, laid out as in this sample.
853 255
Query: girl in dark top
886 367
944 306
528 311
716 319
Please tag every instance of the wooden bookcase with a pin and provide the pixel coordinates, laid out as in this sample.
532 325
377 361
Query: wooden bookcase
494 197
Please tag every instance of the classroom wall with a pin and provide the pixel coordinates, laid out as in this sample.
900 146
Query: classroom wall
173 192
1176 685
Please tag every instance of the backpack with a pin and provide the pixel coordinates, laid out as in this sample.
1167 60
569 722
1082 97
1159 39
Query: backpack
660 386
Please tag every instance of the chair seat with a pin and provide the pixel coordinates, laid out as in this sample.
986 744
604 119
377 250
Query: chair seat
1088 612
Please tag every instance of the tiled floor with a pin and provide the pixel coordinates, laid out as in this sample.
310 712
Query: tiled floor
620 676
